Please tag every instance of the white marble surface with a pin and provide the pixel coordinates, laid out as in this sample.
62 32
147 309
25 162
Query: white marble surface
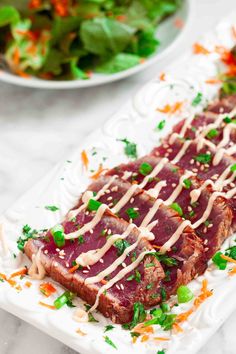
38 127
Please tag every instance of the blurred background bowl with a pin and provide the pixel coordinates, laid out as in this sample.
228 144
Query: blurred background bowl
170 32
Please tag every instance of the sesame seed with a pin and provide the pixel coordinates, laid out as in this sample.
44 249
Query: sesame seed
62 257
122 286
167 154
109 232
101 260
46 251
117 286
202 168
58 249
192 162
195 170
165 146
87 213
131 200
91 231
169 150
110 205
88 267
109 198
123 265
190 208
107 191
85 271
174 185
114 189
232 184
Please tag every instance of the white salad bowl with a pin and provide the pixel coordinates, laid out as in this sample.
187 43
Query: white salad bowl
168 34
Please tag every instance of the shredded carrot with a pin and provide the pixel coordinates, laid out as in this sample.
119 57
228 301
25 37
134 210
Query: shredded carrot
22 74
85 159
134 339
11 282
140 328
51 307
163 339
232 271
73 269
28 284
177 328
61 7
35 4
144 338
228 259
19 273
199 49
47 289
171 109
178 23
16 57
213 81
18 288
121 18
3 276
98 173
103 282
205 293
162 77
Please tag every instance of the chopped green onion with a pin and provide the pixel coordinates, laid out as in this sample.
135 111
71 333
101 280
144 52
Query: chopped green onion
161 125
145 168
203 158
233 168
163 294
227 120
187 183
81 239
64 299
132 213
108 328
177 208
93 205
165 307
121 245
58 235
212 133
219 261
184 294
149 265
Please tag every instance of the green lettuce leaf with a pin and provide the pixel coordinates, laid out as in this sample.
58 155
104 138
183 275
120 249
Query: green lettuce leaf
119 62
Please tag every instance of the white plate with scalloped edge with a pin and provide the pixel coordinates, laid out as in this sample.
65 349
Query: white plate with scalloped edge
63 185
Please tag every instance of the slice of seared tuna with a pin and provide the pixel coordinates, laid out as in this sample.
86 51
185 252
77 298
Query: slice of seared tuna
173 184
183 252
211 165
219 129
136 267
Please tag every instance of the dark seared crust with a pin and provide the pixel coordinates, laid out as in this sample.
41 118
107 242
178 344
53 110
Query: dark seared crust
109 305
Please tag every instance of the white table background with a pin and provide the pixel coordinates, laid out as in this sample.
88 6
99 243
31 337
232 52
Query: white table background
38 127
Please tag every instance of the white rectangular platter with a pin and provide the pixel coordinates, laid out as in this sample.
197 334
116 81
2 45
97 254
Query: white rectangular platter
63 185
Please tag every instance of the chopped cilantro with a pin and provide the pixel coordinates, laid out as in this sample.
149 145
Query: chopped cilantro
163 294
91 318
149 286
138 317
145 168
231 252
149 265
109 341
207 223
136 276
108 328
203 158
197 99
161 351
227 120
177 208
51 207
187 183
27 233
130 148
121 245
191 213
161 125
174 169
212 133
132 213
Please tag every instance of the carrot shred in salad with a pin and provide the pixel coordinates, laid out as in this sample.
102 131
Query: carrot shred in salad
200 49
85 159
98 173
47 289
171 109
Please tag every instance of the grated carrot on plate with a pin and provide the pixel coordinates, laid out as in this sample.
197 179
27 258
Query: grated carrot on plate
171 109
47 289
228 259
213 81
28 284
73 269
18 273
162 77
51 307
179 23
145 338
98 173
234 31
162 339
200 49
85 159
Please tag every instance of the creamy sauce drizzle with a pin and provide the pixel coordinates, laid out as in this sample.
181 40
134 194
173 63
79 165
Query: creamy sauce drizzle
174 238
37 270
181 152
118 277
176 192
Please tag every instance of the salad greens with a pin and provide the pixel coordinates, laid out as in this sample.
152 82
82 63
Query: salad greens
69 39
